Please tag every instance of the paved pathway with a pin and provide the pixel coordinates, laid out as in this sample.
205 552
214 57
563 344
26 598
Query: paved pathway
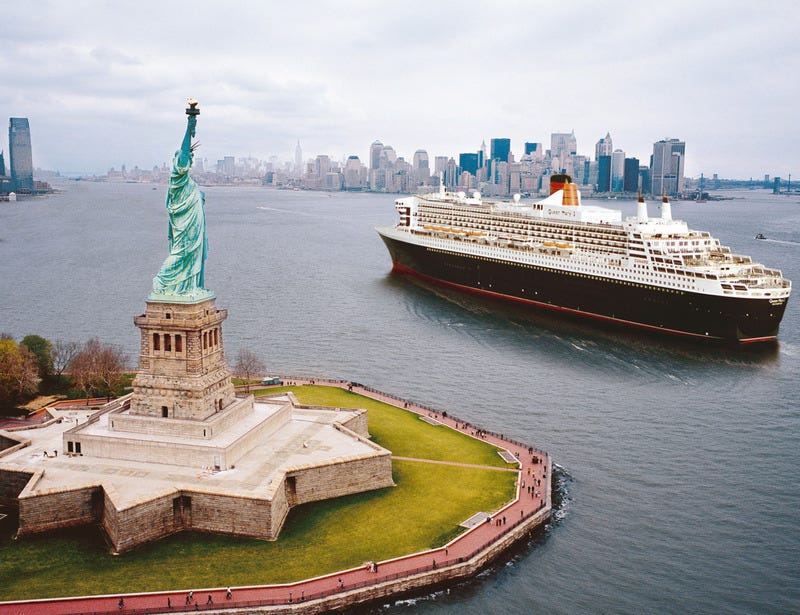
455 463
532 495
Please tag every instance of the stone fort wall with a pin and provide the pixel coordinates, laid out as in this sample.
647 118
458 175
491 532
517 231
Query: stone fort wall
59 509
187 509
141 523
340 478
12 482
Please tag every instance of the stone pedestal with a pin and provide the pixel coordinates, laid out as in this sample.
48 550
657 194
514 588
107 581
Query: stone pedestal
182 370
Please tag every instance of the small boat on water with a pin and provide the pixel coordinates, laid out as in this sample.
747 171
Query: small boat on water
760 236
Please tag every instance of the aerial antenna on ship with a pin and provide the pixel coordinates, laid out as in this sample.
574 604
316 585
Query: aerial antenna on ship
441 182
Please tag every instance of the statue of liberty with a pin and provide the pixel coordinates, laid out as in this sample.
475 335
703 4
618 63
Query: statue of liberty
181 277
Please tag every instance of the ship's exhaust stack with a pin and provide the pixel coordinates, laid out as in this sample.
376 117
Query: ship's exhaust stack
571 196
666 208
641 209
558 181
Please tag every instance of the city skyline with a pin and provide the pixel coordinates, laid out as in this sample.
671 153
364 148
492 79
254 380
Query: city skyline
96 80
383 170
493 171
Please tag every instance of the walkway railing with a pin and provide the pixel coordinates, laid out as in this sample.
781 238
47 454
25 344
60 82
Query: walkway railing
407 404
294 595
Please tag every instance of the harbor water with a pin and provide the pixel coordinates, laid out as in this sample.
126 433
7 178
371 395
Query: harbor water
678 479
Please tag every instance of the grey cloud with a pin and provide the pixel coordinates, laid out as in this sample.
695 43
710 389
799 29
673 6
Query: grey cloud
108 56
440 76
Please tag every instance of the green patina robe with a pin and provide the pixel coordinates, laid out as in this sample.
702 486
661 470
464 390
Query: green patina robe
183 271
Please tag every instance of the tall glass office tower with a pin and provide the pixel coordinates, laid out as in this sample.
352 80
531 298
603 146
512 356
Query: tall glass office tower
21 157
501 148
666 168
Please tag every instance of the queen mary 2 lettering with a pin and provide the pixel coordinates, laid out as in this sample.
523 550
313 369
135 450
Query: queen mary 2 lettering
561 255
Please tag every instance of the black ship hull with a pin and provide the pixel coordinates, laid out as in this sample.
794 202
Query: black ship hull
648 307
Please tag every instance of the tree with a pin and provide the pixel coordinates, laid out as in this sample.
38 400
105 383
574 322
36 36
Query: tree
96 367
111 365
83 368
42 349
63 353
247 366
19 374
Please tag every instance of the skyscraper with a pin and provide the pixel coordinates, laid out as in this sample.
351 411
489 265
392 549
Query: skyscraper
421 165
5 181
450 173
630 182
229 166
387 157
666 169
604 174
579 169
617 170
604 147
563 145
644 179
375 154
298 160
353 176
322 165
440 162
501 148
533 148
20 153
468 162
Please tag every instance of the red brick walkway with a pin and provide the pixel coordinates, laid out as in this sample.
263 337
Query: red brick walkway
532 496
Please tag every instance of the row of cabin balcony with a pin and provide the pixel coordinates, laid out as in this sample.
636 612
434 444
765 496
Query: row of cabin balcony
509 228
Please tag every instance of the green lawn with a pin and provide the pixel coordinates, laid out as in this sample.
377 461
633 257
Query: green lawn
402 432
422 511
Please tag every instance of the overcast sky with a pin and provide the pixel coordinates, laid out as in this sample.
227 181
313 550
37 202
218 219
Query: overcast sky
105 83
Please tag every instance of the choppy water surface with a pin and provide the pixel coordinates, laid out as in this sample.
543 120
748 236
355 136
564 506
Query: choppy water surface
680 463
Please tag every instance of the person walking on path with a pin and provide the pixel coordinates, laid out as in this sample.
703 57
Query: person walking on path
121 603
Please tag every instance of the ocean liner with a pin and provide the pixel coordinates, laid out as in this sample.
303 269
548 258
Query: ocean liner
562 255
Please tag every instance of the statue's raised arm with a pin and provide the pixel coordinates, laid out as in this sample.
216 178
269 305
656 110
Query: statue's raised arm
182 275
186 146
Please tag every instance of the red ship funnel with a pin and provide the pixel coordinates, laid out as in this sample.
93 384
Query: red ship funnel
557 182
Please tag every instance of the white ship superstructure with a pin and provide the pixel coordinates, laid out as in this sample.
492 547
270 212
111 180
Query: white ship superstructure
561 234
590 240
